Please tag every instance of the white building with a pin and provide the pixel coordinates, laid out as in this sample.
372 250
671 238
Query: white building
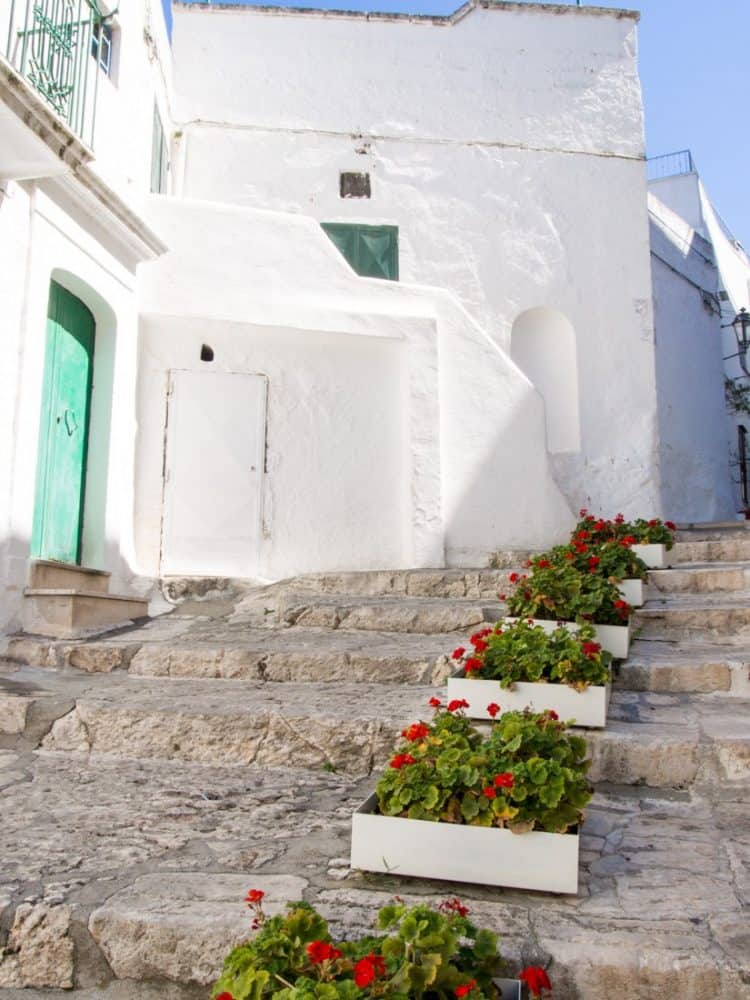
699 292
258 407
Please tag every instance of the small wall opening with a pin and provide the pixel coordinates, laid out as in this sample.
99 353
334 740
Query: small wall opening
207 353
543 345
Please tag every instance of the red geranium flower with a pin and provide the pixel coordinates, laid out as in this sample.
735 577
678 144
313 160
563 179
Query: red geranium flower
569 555
594 561
456 704
480 645
502 596
583 535
367 968
513 577
619 519
552 714
417 731
454 906
591 649
434 702
225 996
671 525
254 896
489 792
536 979
322 951
401 760
492 709
583 512
470 666
543 564
458 652
466 988
504 780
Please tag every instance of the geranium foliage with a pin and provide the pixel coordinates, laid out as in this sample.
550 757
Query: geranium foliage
420 952
512 652
529 773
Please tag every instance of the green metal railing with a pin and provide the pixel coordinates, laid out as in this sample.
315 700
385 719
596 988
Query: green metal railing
49 42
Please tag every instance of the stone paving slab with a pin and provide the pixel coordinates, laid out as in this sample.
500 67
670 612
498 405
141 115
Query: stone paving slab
700 578
730 549
392 614
151 863
699 668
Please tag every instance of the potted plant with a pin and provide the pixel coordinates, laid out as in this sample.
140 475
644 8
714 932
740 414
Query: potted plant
650 539
522 665
614 559
558 592
499 809
420 951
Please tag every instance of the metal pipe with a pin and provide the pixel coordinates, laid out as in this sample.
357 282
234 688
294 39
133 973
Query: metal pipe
742 453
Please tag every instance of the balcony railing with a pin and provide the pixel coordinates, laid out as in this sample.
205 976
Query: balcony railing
670 165
49 42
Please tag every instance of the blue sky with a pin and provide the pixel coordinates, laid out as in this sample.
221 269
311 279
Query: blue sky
695 69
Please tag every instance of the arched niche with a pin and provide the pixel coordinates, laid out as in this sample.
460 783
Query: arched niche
543 345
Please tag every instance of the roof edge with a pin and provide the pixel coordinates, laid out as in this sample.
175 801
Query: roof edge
437 19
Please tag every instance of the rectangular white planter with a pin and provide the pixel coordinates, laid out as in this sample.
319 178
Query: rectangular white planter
614 638
654 556
588 708
459 853
509 989
632 592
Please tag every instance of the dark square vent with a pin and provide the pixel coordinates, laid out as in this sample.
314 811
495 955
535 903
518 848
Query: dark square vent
354 185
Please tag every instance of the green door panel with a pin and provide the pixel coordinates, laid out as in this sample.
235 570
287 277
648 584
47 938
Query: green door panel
372 251
63 428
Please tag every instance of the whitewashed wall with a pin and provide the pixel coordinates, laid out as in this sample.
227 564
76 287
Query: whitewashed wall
690 371
505 144
686 195
398 433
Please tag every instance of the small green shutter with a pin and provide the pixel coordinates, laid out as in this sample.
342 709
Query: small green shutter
372 251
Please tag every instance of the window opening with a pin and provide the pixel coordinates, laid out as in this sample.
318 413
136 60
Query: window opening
159 160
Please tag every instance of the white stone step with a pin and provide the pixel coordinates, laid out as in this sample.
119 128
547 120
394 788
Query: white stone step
67 613
46 574
389 614
720 617
697 578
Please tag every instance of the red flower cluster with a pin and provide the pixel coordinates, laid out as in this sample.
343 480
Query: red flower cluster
225 996
671 525
254 896
514 577
591 650
504 780
492 709
417 731
623 609
367 969
627 541
401 760
465 988
454 906
457 704
593 563
489 792
254 900
321 951
435 703
458 652
620 519
473 664
536 979
543 564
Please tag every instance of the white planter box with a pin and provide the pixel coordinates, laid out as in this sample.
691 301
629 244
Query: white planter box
614 638
588 708
458 853
654 556
632 592
509 989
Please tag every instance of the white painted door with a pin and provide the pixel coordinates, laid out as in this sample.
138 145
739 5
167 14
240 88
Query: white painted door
213 474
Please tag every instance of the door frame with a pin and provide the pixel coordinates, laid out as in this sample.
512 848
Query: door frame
45 448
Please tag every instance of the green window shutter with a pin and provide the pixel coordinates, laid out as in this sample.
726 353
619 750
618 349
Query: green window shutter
372 251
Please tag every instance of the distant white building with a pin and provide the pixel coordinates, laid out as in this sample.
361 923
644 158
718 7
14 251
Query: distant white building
701 287
314 291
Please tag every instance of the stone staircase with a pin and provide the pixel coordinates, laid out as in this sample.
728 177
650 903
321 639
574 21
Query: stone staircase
65 601
151 776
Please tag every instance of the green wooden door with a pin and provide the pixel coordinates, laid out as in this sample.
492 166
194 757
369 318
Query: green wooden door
63 429
372 251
